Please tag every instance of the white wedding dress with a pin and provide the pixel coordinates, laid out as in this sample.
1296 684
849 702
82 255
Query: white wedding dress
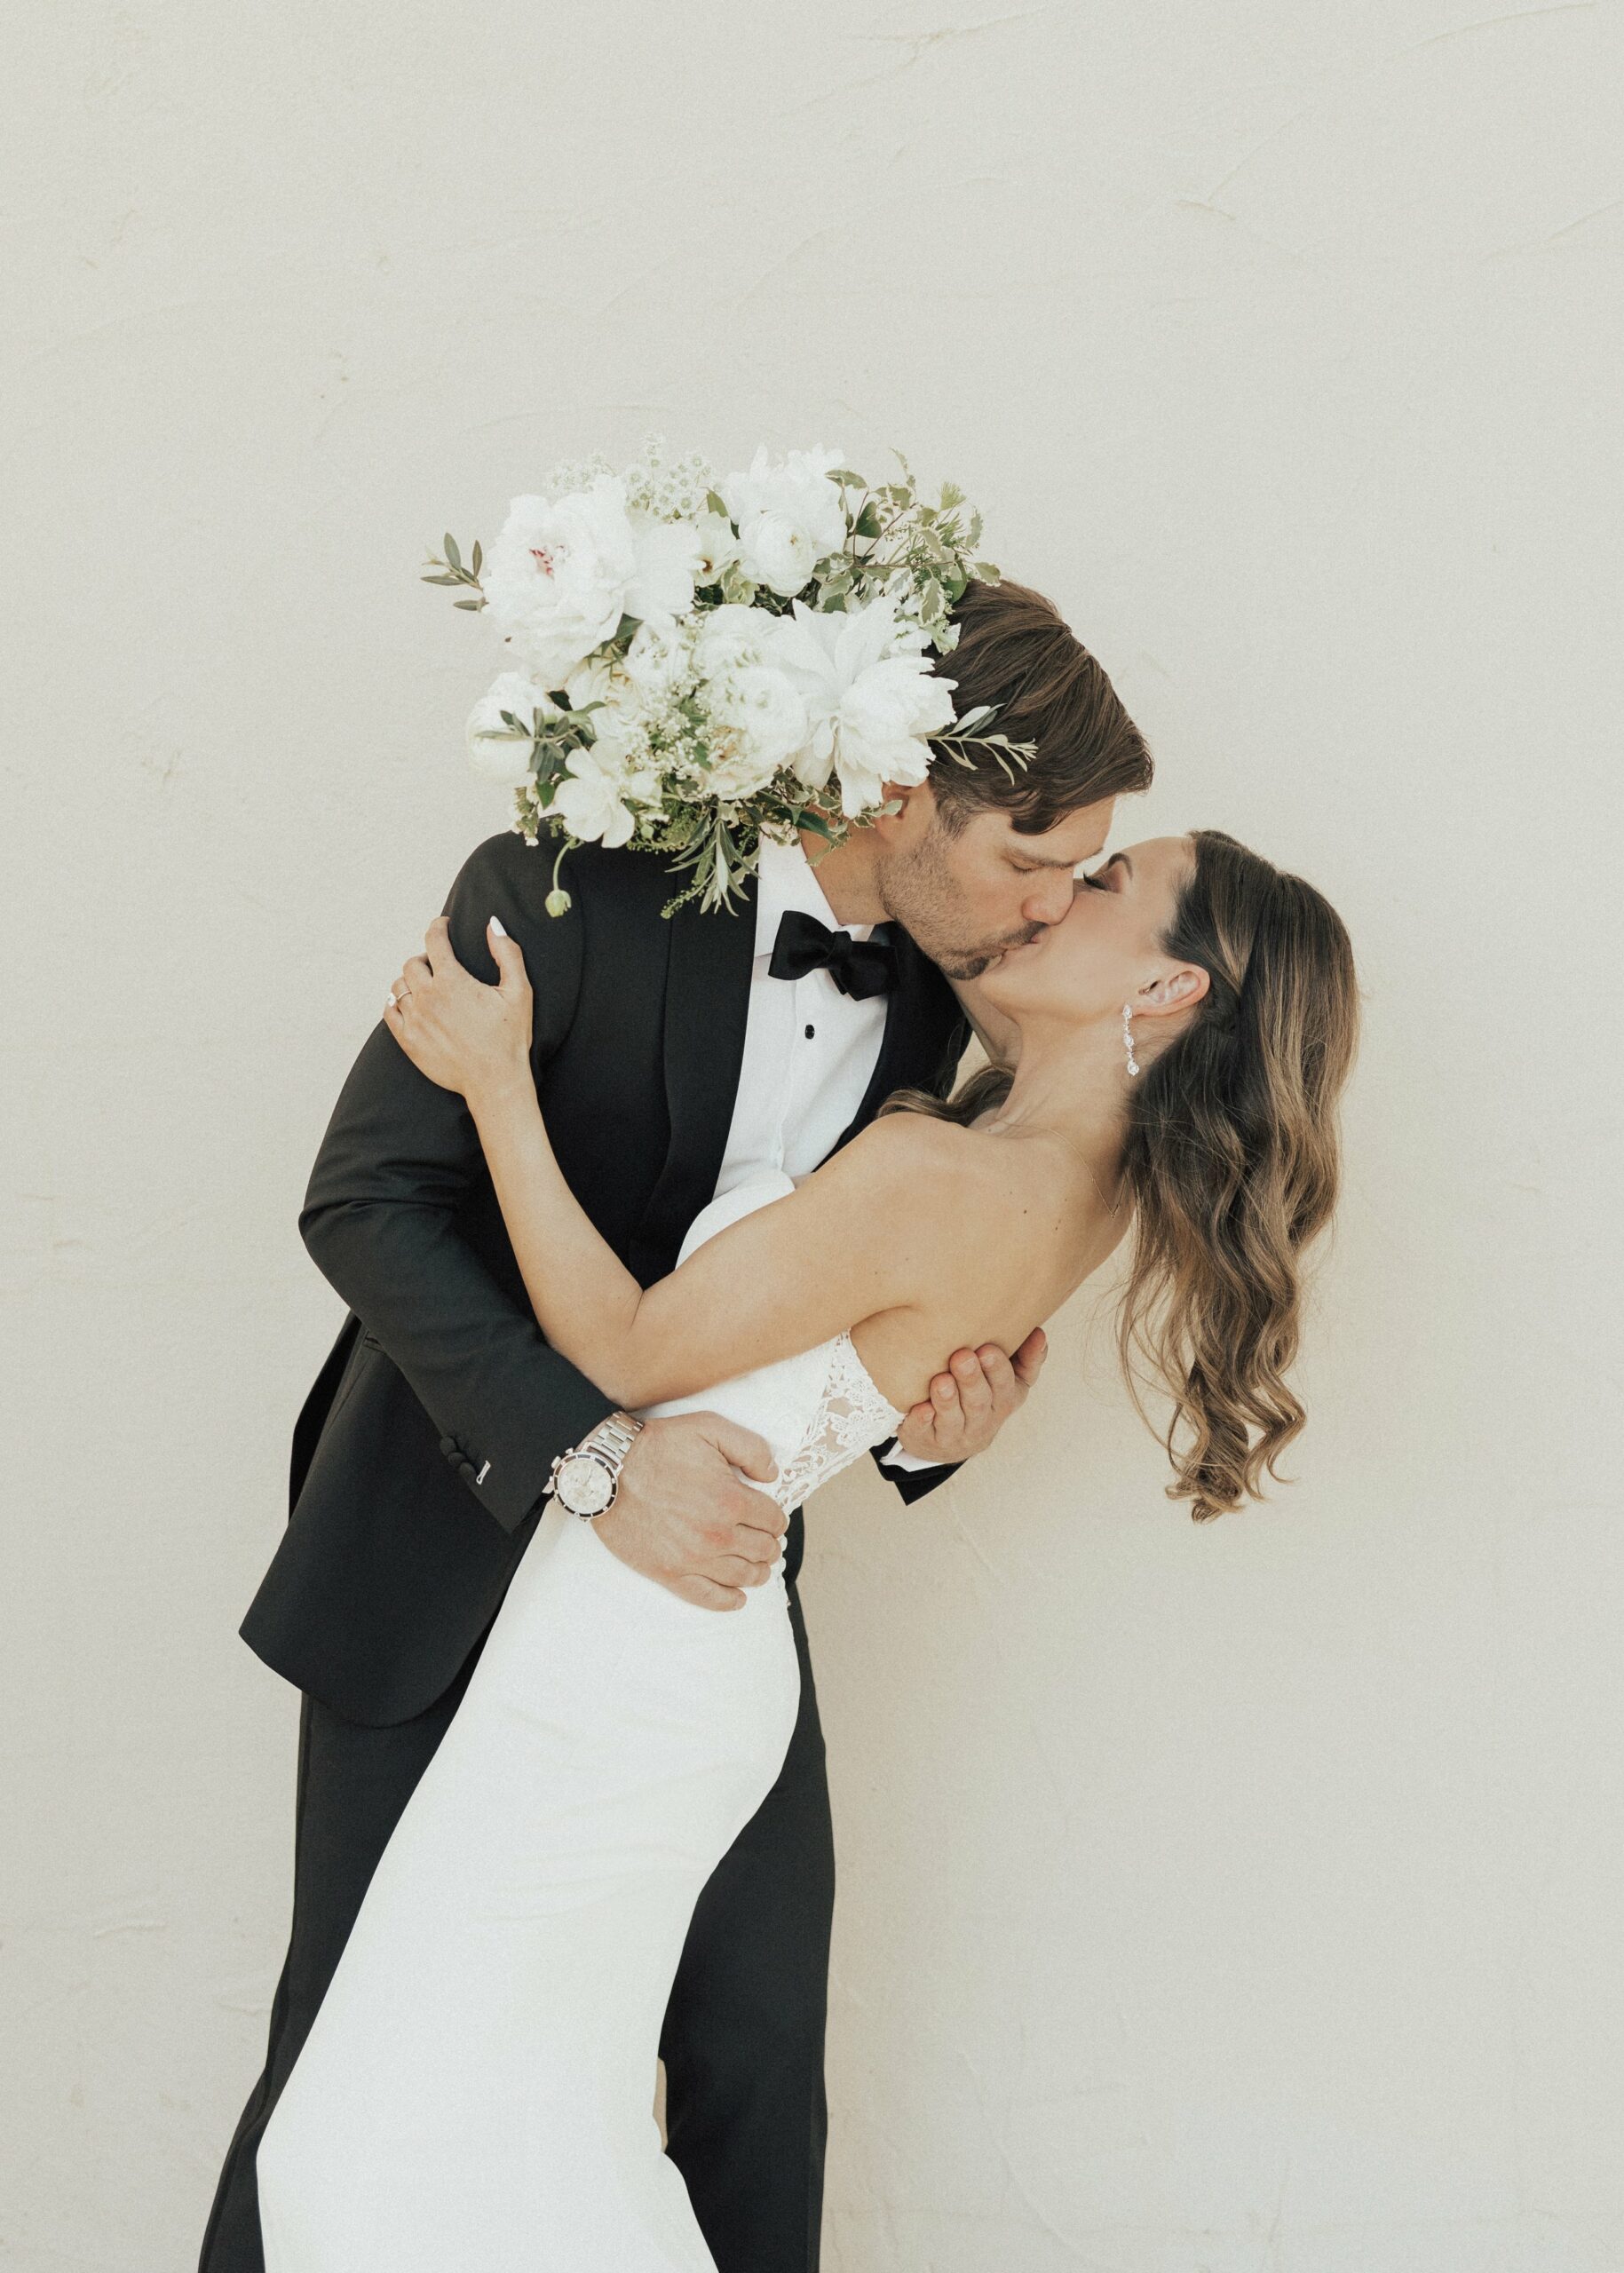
476 2095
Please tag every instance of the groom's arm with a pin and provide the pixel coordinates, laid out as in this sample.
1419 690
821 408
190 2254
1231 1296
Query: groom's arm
380 1217
913 1478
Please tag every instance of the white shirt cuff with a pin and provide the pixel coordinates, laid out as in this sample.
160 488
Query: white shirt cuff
909 1462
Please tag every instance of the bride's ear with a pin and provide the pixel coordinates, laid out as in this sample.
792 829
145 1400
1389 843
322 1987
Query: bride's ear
1178 990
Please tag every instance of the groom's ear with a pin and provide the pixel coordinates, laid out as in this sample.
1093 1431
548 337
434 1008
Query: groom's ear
908 810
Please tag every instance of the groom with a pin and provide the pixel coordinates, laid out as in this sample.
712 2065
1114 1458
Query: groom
673 1059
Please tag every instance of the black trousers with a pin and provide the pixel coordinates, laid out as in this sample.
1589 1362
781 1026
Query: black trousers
743 2038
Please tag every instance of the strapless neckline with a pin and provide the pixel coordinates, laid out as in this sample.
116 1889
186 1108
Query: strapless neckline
820 1409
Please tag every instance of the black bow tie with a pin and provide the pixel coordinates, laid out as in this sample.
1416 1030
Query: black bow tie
859 967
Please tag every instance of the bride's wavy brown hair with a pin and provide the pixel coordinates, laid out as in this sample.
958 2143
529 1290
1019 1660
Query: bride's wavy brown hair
1233 1162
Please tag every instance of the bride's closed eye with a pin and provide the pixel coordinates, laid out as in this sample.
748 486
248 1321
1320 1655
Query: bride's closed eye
1105 878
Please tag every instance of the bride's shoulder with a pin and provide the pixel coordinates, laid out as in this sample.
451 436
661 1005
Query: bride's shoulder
903 1152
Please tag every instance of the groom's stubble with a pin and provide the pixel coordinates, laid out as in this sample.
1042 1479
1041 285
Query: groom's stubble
920 888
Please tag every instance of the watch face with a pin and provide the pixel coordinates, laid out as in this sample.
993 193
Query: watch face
585 1486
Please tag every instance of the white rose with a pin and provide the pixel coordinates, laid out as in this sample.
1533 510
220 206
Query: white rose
560 577
491 750
871 700
790 516
590 802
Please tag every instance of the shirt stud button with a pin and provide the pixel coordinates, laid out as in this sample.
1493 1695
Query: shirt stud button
811 1033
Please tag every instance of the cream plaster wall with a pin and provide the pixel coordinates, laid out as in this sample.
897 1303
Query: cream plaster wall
1241 1900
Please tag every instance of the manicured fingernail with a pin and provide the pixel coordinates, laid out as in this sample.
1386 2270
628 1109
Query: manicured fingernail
499 927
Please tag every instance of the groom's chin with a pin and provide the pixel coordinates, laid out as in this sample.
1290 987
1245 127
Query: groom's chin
960 963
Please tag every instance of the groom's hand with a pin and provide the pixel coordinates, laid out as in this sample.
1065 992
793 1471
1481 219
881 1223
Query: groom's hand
682 1516
969 1403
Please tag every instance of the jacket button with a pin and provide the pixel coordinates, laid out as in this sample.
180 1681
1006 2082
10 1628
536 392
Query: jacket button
447 1444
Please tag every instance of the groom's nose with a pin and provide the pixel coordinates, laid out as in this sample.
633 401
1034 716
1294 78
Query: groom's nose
1050 901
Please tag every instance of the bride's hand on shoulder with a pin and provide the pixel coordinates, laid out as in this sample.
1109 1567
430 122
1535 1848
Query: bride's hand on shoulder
464 1034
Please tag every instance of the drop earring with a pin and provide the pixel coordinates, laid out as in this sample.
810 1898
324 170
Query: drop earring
1133 1063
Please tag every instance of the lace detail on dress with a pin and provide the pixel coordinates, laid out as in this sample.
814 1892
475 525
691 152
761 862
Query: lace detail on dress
851 1415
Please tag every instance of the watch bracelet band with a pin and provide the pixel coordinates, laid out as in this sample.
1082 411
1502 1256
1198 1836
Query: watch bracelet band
619 1431
608 1445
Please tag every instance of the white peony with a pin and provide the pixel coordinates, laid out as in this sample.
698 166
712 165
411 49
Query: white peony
729 637
762 722
491 751
736 774
790 516
758 714
871 700
658 661
669 558
561 575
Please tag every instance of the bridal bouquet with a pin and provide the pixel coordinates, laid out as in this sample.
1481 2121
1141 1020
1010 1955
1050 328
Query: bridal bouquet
698 663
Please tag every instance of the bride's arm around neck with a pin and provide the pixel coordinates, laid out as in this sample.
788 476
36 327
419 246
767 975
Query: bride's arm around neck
876 1231
923 1235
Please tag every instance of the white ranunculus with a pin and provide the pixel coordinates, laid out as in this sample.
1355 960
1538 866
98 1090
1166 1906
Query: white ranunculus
590 801
490 752
790 516
593 681
871 700
561 575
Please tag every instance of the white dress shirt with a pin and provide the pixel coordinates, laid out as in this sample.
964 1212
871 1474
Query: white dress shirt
810 1051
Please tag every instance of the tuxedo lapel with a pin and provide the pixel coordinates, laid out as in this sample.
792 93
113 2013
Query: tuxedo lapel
926 1033
707 1003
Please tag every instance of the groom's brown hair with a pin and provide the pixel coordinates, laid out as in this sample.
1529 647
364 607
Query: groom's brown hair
1017 651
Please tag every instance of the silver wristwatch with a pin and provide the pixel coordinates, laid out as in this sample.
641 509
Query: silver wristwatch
585 1478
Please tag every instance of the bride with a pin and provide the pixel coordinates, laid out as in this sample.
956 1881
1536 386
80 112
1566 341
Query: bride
476 2089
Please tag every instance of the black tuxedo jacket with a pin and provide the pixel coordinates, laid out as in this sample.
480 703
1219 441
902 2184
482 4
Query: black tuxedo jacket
422 1453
